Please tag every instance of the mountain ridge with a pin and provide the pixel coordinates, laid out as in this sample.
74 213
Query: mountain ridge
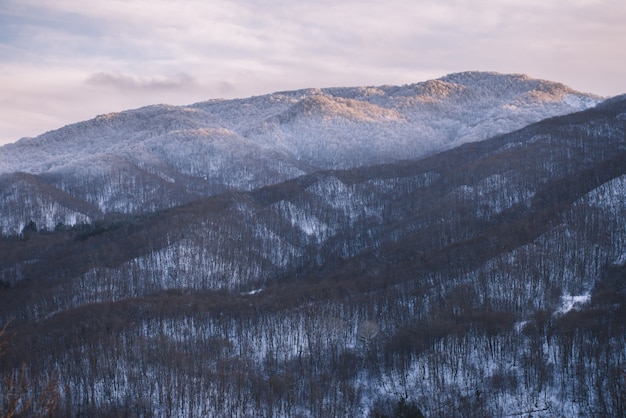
366 251
172 118
484 280
179 153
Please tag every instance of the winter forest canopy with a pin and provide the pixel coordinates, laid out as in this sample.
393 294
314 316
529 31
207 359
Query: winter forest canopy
449 248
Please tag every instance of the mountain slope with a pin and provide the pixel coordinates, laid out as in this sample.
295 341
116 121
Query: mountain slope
177 154
448 282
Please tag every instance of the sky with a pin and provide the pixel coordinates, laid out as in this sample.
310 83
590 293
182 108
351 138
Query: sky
64 61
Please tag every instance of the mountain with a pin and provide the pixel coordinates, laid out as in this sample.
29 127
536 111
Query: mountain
486 279
162 156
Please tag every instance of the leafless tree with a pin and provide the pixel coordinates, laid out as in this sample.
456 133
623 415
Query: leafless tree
24 395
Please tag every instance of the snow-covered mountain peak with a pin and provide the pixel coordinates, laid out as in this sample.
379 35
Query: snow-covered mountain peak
300 93
328 107
137 156
437 90
477 79
514 85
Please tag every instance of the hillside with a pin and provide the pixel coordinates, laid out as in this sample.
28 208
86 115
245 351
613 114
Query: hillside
484 280
157 157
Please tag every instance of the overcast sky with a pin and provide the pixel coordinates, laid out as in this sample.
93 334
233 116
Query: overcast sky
63 61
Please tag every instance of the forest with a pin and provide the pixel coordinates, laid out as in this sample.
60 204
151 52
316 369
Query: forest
488 280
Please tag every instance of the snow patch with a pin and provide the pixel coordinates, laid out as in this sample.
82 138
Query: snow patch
252 292
569 302
620 261
579 102
519 326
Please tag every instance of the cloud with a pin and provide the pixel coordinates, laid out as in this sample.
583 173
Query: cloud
128 82
72 51
215 39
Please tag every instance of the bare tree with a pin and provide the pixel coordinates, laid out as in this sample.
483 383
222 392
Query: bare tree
367 331
23 395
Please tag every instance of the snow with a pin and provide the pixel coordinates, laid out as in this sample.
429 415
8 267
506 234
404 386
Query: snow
205 148
379 123
578 101
620 261
252 292
206 141
609 196
569 302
